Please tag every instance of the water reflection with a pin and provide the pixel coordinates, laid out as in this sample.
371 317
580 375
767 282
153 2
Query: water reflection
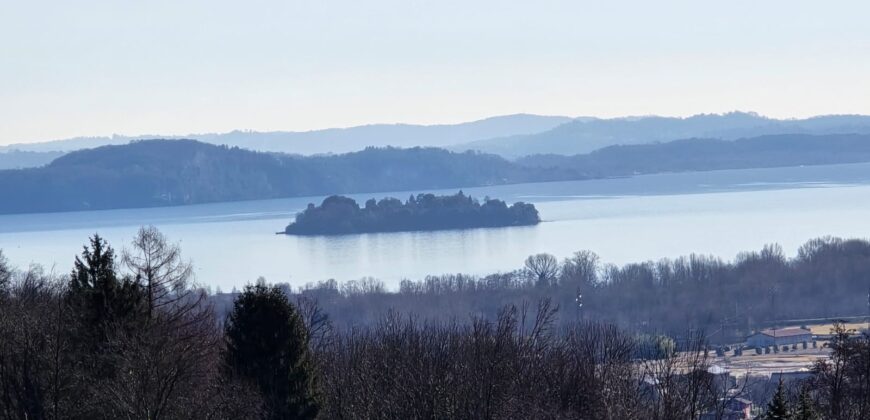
624 220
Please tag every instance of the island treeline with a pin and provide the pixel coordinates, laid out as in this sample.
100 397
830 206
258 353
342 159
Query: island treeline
342 215
127 335
179 172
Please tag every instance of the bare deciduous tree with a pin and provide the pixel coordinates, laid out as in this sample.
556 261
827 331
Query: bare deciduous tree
5 273
168 363
580 269
158 266
38 376
544 268
320 328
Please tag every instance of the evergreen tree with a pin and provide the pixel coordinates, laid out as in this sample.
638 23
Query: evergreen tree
267 343
806 409
777 408
101 301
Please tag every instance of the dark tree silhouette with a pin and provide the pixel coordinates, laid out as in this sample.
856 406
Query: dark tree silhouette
104 307
267 343
5 273
806 409
777 408
102 300
842 383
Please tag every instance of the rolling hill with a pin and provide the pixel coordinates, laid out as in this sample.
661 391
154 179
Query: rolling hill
711 154
584 135
334 140
180 172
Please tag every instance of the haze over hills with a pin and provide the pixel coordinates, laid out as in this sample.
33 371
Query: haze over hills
334 140
17 159
587 135
179 172
511 136
711 154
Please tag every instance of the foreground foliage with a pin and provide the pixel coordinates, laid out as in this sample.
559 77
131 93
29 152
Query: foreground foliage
267 344
133 338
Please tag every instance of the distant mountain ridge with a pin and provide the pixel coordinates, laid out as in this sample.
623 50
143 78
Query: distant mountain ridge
584 136
511 136
333 140
17 159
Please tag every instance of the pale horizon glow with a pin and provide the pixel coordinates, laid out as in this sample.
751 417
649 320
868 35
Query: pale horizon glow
97 68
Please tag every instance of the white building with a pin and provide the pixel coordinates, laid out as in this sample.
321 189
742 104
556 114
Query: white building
779 337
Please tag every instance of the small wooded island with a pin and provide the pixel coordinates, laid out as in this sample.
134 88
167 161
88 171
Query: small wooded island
339 215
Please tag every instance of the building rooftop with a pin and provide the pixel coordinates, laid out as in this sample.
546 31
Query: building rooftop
785 332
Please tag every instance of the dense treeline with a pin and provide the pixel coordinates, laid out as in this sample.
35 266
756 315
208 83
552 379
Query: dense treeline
518 366
728 299
178 172
128 336
342 215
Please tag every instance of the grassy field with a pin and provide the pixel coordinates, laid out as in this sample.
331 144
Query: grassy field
822 329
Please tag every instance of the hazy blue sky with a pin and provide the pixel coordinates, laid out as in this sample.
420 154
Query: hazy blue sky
70 68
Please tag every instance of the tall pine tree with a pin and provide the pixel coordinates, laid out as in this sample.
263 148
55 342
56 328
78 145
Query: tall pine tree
777 408
102 302
267 343
806 409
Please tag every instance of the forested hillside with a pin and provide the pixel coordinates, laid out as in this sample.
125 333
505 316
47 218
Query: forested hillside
178 172
709 154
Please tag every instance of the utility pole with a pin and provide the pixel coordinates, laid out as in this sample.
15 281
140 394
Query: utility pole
773 307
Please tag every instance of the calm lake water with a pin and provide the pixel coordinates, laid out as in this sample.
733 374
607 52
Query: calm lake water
623 220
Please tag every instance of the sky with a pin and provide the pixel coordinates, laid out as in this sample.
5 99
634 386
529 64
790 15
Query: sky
93 68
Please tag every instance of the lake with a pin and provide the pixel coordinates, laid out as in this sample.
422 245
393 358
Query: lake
624 220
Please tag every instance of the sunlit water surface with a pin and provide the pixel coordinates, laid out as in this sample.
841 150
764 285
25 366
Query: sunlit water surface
623 220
